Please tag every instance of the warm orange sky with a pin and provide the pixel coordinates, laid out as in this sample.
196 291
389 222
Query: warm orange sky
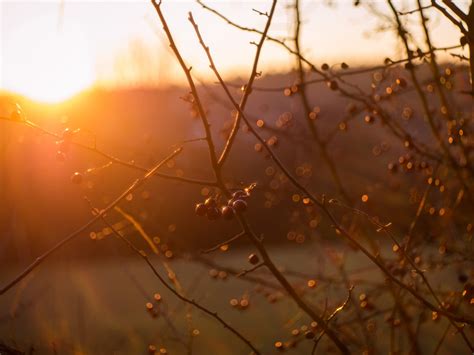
51 50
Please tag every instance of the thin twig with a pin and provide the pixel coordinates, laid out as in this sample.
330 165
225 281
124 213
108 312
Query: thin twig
403 13
321 204
114 159
248 271
196 98
143 255
226 242
333 314
248 86
246 226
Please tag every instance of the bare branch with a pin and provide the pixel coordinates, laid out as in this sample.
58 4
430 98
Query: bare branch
333 314
450 17
454 8
136 184
179 295
226 242
197 100
403 13
248 271
337 226
116 160
248 86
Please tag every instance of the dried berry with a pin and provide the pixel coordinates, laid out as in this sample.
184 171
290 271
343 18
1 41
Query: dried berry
213 213
239 194
200 209
253 259
227 212
239 205
210 202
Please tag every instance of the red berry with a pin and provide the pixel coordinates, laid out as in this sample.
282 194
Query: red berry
210 202
227 212
239 205
213 213
200 209
253 259
76 178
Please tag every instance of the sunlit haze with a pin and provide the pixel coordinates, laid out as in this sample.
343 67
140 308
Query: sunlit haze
236 177
53 50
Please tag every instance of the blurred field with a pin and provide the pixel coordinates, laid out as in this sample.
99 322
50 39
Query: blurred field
98 307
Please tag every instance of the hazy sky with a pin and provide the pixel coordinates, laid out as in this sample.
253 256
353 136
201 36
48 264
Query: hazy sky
53 49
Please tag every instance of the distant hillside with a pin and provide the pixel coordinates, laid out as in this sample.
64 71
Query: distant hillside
41 204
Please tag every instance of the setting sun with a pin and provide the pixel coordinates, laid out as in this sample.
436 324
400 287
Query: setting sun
46 58
65 47
59 66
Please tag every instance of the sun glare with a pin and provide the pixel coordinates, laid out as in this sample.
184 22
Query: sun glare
52 50
54 67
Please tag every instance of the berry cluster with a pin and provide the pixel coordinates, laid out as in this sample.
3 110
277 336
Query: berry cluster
212 211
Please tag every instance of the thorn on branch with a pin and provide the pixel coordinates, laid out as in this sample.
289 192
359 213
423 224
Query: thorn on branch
261 13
